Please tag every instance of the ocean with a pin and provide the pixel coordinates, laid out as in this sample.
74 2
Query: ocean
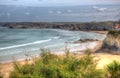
16 43
86 13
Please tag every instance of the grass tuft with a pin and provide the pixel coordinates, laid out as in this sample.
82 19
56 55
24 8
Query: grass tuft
114 69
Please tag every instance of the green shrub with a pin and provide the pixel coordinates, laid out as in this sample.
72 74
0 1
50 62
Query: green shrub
114 33
114 69
53 66
1 76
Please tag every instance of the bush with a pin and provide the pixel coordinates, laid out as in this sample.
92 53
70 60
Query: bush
52 66
114 33
114 69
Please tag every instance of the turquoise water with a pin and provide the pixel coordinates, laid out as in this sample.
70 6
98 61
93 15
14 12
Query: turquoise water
16 43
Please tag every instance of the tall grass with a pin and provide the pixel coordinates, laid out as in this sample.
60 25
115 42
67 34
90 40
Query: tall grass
53 66
114 69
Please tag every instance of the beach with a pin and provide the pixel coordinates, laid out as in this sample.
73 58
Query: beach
27 28
103 58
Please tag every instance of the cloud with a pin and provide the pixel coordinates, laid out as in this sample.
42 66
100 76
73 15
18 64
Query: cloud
58 12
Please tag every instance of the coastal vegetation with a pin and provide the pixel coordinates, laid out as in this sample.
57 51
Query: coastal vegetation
114 69
66 66
53 66
114 33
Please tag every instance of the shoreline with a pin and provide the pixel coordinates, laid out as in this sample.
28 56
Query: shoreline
99 32
8 67
73 49
103 59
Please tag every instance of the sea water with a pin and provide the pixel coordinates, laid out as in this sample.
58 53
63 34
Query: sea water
16 43
86 13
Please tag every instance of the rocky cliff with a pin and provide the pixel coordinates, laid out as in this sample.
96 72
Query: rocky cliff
84 26
112 42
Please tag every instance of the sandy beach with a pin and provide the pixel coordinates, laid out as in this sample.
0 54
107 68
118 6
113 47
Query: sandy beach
100 32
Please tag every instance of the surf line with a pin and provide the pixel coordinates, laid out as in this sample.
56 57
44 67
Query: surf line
21 45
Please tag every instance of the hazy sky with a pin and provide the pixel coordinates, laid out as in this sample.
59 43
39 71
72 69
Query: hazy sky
57 2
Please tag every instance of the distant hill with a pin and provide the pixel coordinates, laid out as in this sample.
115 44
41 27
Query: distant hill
84 26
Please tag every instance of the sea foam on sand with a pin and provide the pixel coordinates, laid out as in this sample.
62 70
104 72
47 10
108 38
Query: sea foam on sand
79 48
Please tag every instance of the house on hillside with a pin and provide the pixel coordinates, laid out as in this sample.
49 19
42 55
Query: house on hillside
117 27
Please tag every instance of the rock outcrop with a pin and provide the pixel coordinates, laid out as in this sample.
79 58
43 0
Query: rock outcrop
85 40
112 42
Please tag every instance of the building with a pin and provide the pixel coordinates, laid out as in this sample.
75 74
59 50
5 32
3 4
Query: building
117 27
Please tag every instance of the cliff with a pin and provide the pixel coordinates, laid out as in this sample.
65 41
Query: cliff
112 42
84 26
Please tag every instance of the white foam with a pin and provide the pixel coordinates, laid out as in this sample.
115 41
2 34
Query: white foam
84 46
54 45
27 13
101 9
56 37
58 12
50 11
21 45
95 7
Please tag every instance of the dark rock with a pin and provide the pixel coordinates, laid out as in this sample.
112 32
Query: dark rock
82 26
111 43
85 40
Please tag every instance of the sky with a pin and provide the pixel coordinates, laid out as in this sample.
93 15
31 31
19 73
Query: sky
57 2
